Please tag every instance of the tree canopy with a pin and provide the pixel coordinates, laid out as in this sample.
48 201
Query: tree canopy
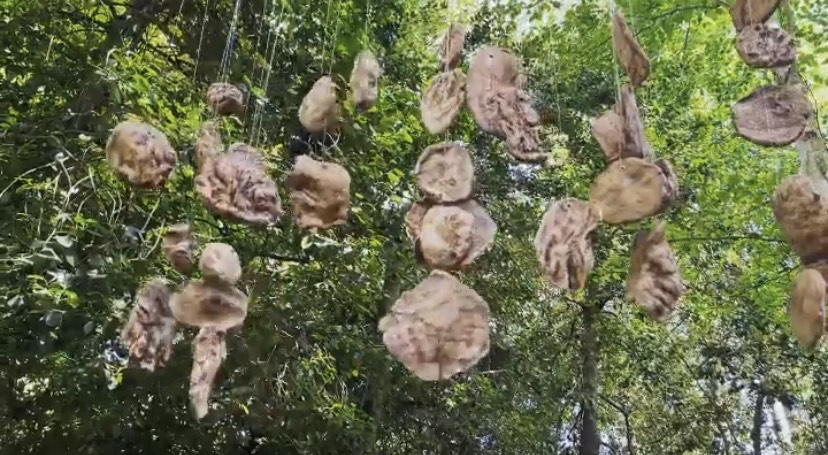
308 373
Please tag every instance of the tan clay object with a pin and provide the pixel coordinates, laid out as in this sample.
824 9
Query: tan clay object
319 110
636 142
442 100
608 131
220 262
225 99
452 47
438 329
751 12
763 46
209 304
140 154
632 189
801 210
629 52
236 186
445 172
654 282
414 219
209 144
177 245
563 242
150 330
319 193
773 115
808 308
209 351
454 236
365 81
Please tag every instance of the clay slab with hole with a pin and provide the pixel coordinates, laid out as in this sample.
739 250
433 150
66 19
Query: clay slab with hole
763 46
149 332
445 172
563 243
654 282
807 308
225 99
319 110
629 52
365 81
438 329
773 115
632 189
140 154
319 193
209 351
442 100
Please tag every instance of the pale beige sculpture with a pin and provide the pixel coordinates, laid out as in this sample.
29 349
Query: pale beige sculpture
620 131
608 131
751 12
454 236
808 308
438 329
209 304
564 240
319 193
452 47
654 282
209 145
414 219
149 333
773 115
629 52
140 154
445 172
236 186
800 206
209 351
220 262
632 189
177 245
319 110
365 81
763 46
225 99
442 100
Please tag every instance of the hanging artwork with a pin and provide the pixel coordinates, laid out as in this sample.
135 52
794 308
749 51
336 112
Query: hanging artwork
140 154
150 330
320 193
365 81
225 99
654 282
319 110
563 243
773 115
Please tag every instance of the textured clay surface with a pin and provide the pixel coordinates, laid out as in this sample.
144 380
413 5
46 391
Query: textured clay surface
236 186
225 99
320 193
762 46
563 242
454 236
178 245
209 304
209 144
209 351
140 154
319 110
452 48
445 172
808 307
632 189
365 81
802 213
220 262
773 115
629 52
751 12
442 100
149 333
654 282
438 329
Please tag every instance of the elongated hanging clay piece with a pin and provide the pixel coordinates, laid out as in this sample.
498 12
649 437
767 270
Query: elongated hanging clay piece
629 52
319 110
452 48
808 307
442 100
654 282
773 115
563 242
365 81
751 12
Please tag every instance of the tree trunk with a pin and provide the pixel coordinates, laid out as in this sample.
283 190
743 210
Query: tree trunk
758 420
590 439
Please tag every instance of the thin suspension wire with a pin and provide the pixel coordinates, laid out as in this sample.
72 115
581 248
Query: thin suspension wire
614 56
230 44
256 67
447 36
325 38
181 6
333 42
260 108
201 38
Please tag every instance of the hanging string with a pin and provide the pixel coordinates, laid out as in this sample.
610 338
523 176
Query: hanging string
447 37
257 121
325 38
614 56
333 41
230 44
201 38
259 68
181 6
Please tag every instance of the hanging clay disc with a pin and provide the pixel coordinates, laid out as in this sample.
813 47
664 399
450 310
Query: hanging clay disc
454 236
319 110
608 131
632 189
629 52
150 330
808 308
140 154
209 143
320 193
763 46
520 125
563 242
177 245
452 47
438 329
365 81
236 186
751 12
442 100
209 304
225 99
801 209
209 351
220 263
445 172
654 282
414 219
773 115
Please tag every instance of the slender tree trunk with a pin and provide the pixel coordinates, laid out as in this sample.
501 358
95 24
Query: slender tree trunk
758 420
590 439
630 435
